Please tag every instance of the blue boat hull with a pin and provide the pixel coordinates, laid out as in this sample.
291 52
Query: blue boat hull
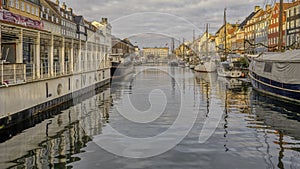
289 92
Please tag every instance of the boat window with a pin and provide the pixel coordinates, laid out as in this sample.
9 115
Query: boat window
268 67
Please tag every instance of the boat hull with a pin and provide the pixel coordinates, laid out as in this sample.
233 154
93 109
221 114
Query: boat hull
36 97
289 92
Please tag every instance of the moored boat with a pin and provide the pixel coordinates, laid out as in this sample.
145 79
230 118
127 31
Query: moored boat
206 65
227 69
277 74
181 64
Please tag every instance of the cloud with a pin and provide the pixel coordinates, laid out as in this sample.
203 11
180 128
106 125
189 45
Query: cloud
176 18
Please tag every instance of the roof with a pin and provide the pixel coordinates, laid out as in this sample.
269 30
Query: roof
297 2
233 25
288 56
244 23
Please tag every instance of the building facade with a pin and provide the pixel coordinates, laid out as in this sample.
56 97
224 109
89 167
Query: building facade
293 25
250 31
122 50
157 52
261 30
274 27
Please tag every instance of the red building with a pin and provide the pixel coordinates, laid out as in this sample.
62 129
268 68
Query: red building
273 32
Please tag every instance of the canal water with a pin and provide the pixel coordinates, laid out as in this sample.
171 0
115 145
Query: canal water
162 117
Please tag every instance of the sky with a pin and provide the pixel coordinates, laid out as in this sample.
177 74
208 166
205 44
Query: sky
152 23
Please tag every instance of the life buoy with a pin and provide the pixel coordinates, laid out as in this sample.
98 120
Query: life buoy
243 74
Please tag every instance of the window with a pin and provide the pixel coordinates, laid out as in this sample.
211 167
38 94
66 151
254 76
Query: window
32 10
297 22
268 67
27 8
17 4
22 6
11 3
36 11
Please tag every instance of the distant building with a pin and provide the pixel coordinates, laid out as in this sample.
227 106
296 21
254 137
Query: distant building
293 24
274 27
122 49
261 31
158 52
220 37
250 30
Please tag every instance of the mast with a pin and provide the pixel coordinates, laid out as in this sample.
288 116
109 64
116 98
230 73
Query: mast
206 43
173 47
280 26
183 48
225 33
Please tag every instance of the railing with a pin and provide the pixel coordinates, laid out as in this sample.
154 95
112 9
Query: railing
12 73
57 69
44 70
67 68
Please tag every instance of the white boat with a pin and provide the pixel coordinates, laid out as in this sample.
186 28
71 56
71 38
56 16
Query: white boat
277 74
192 66
206 65
181 64
207 62
227 69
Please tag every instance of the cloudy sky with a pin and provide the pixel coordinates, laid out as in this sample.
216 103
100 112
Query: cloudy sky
155 22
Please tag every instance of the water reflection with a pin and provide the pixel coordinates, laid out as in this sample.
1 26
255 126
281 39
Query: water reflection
282 120
51 143
253 129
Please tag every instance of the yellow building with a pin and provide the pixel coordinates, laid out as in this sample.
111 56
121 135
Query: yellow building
220 38
156 52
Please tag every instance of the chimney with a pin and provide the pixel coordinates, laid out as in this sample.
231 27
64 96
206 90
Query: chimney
104 20
256 8
64 6
57 2
268 7
70 10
